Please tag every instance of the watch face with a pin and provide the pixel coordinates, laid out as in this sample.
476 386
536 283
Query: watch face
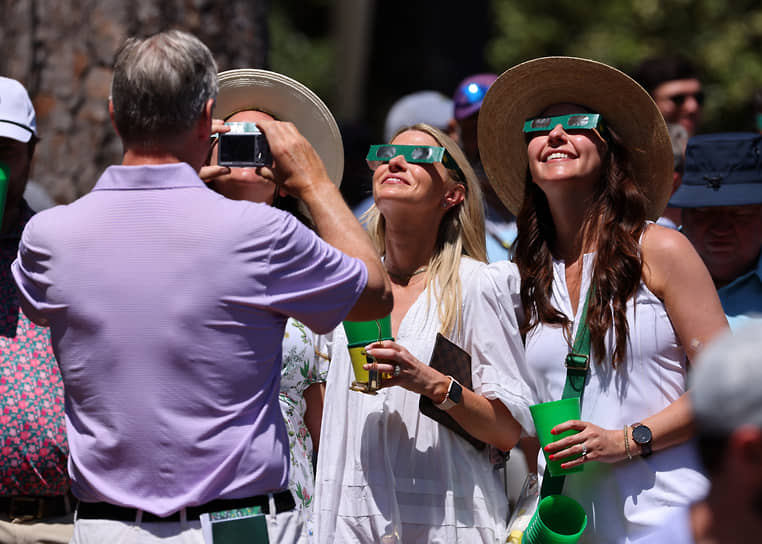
641 434
456 392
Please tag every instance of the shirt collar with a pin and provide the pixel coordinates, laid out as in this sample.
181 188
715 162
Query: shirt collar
148 176
753 272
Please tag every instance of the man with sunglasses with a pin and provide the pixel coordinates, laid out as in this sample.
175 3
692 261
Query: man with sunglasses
499 222
674 84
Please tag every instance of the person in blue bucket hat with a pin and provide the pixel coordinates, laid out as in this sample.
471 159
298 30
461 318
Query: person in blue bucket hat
721 197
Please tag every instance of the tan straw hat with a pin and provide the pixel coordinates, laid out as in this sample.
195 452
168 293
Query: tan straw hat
286 100
525 90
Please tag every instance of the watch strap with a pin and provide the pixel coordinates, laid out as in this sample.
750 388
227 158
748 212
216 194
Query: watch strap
448 402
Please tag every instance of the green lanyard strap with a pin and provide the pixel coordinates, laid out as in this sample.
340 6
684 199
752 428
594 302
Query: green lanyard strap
577 364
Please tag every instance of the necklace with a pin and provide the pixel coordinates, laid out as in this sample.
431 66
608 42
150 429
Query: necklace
405 277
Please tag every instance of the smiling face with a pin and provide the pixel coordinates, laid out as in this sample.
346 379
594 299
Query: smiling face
425 188
244 183
728 238
562 161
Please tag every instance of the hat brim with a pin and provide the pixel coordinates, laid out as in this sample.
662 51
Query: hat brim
286 100
526 89
15 132
699 196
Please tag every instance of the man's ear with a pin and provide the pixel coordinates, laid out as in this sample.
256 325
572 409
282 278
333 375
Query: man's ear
204 125
111 116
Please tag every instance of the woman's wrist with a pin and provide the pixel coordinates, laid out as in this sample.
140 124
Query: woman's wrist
627 449
438 388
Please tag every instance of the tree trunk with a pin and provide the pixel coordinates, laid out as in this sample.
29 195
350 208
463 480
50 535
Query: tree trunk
62 51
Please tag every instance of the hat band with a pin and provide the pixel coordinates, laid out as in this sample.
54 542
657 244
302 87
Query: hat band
17 124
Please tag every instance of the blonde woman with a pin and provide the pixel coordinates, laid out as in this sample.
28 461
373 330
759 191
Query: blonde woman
386 472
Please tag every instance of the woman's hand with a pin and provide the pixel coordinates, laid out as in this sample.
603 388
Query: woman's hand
406 371
598 444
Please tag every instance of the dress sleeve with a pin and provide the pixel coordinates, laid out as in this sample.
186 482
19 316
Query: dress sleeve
491 335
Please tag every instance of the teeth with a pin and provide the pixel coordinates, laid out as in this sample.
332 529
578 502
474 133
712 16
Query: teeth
557 156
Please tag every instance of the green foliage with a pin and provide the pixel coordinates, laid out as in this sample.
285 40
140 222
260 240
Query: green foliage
298 52
723 38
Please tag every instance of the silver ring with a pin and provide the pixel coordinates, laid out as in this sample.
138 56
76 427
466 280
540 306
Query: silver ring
584 450
397 370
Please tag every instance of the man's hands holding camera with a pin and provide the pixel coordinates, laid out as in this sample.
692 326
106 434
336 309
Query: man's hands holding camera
296 168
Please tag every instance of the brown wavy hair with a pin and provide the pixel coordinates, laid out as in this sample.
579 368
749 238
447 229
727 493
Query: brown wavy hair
612 227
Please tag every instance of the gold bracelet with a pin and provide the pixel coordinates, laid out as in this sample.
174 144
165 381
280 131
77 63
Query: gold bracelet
627 444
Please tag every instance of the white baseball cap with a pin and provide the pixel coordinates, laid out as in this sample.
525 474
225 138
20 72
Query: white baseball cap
17 118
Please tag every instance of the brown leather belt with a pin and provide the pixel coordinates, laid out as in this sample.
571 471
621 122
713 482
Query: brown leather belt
284 501
37 507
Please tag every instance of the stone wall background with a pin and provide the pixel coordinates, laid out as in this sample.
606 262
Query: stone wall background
62 51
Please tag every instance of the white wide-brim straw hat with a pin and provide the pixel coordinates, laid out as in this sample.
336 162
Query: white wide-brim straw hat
286 100
528 88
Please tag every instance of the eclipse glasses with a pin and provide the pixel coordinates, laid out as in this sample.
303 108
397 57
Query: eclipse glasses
425 154
573 121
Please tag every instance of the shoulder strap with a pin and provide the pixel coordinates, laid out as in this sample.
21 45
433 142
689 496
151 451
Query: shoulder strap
577 365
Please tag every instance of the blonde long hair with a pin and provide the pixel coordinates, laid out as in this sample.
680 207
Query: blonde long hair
461 232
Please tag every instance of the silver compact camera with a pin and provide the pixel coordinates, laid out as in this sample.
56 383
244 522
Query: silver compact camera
243 146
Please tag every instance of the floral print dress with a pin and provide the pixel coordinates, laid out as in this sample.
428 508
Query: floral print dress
302 367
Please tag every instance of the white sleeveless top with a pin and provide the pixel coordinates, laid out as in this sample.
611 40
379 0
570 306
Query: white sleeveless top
625 499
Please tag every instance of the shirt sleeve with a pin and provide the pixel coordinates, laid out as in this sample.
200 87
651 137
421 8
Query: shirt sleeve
30 271
310 280
491 335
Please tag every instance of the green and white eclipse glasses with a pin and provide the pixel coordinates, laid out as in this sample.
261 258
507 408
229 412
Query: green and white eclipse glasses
379 154
573 121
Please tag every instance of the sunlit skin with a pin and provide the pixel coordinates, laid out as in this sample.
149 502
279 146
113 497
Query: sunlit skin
400 184
688 114
728 238
565 164
244 183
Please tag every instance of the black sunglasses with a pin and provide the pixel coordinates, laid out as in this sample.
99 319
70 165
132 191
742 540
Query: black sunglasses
680 98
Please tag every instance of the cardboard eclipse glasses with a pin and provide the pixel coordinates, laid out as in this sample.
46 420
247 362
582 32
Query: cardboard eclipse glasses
573 121
425 154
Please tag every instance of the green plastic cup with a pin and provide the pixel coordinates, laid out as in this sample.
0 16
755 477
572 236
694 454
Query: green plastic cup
557 520
546 416
368 331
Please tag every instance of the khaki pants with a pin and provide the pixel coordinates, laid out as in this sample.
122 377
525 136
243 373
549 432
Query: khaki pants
37 531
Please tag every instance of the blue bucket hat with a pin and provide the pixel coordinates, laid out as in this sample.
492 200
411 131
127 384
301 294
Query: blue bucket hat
722 169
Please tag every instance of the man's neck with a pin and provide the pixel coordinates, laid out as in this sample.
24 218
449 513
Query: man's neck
134 157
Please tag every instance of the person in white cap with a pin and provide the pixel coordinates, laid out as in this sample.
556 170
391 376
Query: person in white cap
35 504
167 304
726 393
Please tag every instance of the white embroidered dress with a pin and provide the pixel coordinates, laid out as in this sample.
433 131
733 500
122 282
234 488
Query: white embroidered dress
623 500
386 472
302 367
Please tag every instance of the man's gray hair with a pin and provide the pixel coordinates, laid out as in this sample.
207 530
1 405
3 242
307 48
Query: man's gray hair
160 85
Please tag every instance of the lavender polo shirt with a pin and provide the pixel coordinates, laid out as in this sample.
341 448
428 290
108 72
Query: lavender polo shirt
167 305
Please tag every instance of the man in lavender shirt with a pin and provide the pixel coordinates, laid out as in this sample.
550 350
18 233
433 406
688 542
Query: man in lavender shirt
167 305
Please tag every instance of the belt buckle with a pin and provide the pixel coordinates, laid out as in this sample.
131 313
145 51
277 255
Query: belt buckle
12 507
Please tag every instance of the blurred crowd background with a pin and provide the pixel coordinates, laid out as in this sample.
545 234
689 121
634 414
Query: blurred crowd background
358 55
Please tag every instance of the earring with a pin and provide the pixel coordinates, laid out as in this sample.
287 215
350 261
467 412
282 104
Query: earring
444 204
